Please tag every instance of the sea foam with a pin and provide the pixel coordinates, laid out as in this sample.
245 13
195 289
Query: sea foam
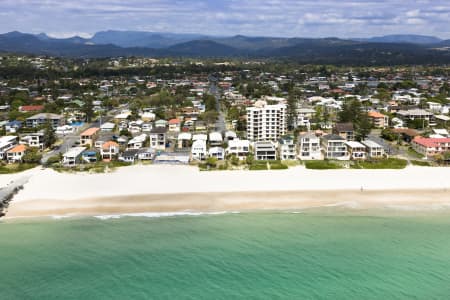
163 214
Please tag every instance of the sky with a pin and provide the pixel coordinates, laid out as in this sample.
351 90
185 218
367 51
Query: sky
288 18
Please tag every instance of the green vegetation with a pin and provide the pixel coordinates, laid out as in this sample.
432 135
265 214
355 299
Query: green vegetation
258 165
414 153
421 163
390 163
98 167
353 112
16 168
322 165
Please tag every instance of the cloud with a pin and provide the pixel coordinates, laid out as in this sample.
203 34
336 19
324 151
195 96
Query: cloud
309 18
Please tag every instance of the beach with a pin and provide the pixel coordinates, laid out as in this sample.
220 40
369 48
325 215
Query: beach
175 189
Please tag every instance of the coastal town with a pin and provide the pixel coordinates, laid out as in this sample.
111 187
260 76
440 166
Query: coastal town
220 115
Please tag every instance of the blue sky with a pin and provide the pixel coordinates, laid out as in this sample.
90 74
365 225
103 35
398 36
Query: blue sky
302 18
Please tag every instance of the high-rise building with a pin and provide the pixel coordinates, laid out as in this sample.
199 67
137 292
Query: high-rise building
266 122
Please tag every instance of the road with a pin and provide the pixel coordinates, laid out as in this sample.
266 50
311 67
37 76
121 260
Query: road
69 140
220 123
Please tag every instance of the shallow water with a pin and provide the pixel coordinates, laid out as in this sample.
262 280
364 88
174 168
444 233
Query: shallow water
313 255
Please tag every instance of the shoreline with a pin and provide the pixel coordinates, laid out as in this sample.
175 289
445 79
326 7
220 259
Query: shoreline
217 203
175 189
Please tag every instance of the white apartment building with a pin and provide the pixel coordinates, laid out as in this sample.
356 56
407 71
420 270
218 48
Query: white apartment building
266 122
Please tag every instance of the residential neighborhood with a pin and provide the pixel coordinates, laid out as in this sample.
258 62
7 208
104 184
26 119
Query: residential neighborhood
229 119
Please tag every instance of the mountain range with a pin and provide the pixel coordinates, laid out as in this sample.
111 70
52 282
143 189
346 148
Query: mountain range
392 49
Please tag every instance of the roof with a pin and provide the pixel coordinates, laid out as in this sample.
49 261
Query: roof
406 131
309 135
108 125
17 149
131 152
74 152
375 114
174 122
264 145
239 143
371 144
430 142
90 131
31 108
215 137
185 136
353 144
159 130
341 127
45 116
414 112
442 118
333 137
110 144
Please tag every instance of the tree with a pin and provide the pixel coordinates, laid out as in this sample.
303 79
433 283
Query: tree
363 126
209 117
49 135
291 112
88 109
32 156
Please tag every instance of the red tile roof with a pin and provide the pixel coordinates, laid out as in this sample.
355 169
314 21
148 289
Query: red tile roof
17 149
429 142
90 131
27 108
375 114
174 122
110 144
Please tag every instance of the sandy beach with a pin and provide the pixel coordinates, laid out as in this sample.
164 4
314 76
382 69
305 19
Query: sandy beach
162 189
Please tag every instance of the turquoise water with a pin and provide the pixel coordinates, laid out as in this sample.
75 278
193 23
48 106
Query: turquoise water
235 256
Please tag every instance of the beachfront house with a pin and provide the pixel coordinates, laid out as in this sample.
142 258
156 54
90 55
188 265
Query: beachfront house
73 156
373 149
89 156
287 148
88 137
109 150
172 158
146 154
334 147
309 147
265 151
217 152
198 150
129 156
6 143
137 142
240 148
15 154
158 138
215 139
356 150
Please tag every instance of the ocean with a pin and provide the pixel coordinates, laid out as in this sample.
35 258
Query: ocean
270 255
